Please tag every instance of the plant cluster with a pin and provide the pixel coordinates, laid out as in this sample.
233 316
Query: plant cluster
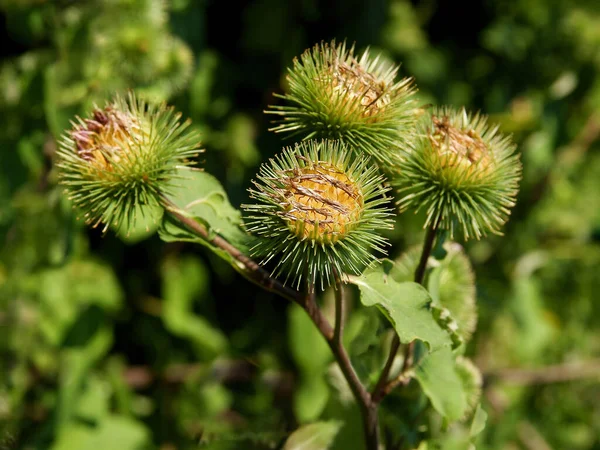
116 339
319 213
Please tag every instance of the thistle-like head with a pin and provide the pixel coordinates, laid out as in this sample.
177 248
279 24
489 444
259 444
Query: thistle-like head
334 94
462 172
125 155
318 211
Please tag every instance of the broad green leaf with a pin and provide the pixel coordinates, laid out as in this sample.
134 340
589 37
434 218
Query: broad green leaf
438 378
479 421
67 291
114 432
315 436
185 281
76 364
458 440
310 398
93 403
312 355
309 349
451 284
201 196
405 304
363 339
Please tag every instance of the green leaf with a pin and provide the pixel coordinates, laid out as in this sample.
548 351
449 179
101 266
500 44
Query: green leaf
93 403
312 355
310 398
309 348
406 305
67 291
438 378
113 432
186 280
479 421
76 365
451 284
201 196
315 436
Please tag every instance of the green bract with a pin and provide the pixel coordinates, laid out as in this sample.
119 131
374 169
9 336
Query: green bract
463 173
123 157
318 211
334 95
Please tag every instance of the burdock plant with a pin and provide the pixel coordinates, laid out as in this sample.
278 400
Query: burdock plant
462 172
122 157
318 212
334 94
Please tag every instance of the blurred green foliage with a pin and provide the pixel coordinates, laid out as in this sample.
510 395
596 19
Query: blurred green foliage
130 343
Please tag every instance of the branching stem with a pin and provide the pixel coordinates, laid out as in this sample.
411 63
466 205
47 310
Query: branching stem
248 267
255 273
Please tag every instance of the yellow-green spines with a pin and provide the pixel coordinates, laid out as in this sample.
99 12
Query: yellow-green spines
462 172
335 95
125 155
318 210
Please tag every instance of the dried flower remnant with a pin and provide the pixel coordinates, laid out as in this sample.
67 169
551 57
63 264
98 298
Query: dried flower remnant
460 148
110 136
320 202
349 82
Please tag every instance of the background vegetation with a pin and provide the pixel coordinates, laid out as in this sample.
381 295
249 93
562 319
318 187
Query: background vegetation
126 342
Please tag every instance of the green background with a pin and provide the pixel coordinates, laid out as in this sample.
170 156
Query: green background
126 342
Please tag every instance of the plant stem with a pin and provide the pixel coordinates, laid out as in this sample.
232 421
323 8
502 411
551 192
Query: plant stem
340 305
427 247
363 398
248 267
380 390
253 272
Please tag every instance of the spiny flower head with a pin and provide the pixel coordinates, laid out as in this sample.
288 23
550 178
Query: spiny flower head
462 172
335 95
124 155
318 211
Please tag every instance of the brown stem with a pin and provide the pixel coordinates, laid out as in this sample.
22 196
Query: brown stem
340 305
381 389
253 272
249 268
378 390
427 247
367 406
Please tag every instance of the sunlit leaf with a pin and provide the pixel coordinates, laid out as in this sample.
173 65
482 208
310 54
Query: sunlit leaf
405 304
315 436
438 377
